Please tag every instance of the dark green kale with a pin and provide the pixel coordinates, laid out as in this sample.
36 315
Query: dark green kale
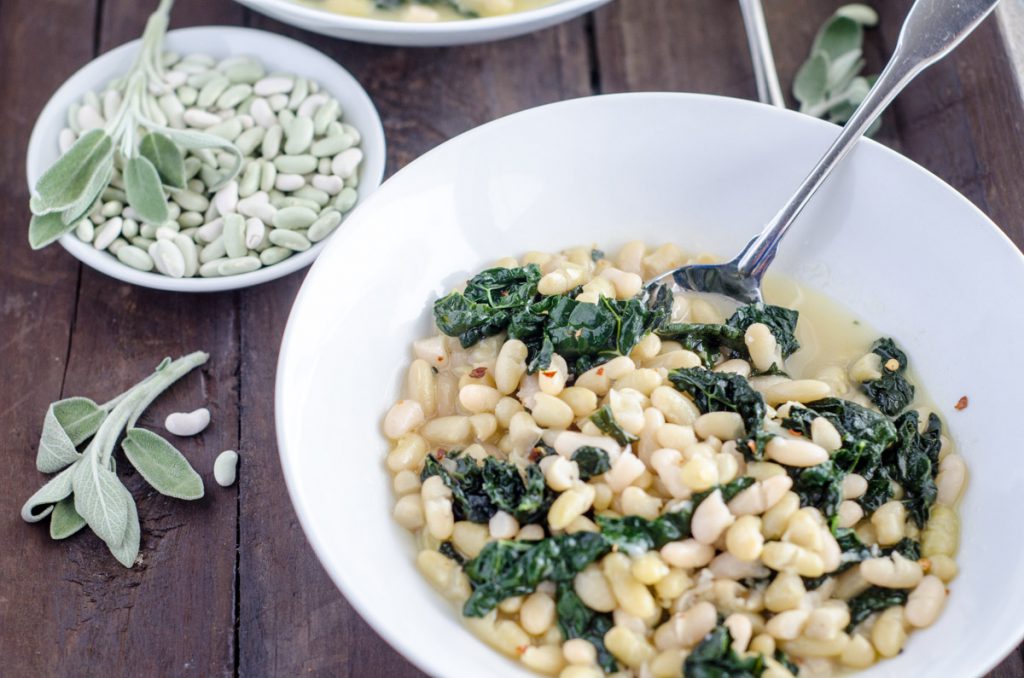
576 620
714 658
707 340
478 492
729 490
781 321
916 463
596 255
486 307
820 486
726 392
865 434
710 340
853 549
892 392
872 600
592 461
636 535
449 551
605 420
879 490
788 663
514 568
906 547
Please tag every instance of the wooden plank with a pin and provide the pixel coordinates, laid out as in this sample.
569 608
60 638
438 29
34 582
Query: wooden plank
37 305
293 620
173 612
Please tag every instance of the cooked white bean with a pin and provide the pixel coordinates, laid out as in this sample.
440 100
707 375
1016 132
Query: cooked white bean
761 345
924 604
710 519
950 480
795 452
892 572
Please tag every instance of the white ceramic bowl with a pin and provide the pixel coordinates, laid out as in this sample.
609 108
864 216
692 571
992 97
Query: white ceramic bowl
414 34
884 237
277 53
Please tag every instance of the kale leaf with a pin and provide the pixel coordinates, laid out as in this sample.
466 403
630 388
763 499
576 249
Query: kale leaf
865 434
729 490
710 340
916 464
635 535
478 492
781 321
486 307
906 547
820 486
576 620
449 551
715 658
726 392
892 392
605 420
513 568
872 600
592 461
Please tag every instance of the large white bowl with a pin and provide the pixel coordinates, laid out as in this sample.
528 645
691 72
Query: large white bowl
890 241
416 34
278 54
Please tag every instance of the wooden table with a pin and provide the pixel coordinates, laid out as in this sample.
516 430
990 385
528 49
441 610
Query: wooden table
228 584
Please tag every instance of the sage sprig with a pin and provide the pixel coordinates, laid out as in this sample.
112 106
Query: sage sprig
145 154
86 489
829 84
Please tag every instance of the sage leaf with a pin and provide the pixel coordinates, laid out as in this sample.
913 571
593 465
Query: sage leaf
73 173
45 229
191 140
100 499
811 80
40 504
837 37
844 69
162 465
65 521
100 180
145 193
128 550
166 158
68 423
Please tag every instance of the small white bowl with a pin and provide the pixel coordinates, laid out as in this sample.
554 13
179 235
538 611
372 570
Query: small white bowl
415 34
278 54
883 237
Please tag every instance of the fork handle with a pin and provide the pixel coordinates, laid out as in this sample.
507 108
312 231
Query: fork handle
931 30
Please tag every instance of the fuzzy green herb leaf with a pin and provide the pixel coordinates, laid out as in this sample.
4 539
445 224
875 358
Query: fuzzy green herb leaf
127 550
70 179
162 465
65 521
145 193
47 228
68 423
166 158
99 498
40 504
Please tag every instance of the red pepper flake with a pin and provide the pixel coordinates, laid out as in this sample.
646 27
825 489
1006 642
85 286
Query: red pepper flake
795 432
577 334
478 372
535 454
550 373
439 454
962 403
522 649
440 358
751 446
600 371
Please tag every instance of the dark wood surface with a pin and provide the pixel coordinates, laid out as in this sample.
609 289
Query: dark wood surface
228 585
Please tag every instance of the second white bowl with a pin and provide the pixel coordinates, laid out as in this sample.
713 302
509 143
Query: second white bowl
278 54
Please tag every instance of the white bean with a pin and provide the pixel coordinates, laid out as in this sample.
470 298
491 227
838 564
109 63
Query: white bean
187 423
225 468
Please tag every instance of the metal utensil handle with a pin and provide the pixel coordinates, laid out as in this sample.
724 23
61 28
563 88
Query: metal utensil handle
931 30
768 89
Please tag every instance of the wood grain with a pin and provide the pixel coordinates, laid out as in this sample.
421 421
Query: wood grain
228 585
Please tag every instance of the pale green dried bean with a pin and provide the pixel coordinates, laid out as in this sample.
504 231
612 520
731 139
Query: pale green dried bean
250 182
110 193
249 140
210 268
189 233
142 243
112 208
132 255
187 247
291 201
190 200
285 118
352 132
235 266
207 156
147 230
247 73
208 175
105 234
290 239
332 145
229 129
215 250
346 199
200 81
300 136
293 218
129 228
233 96
268 176
325 115
234 235
274 255
314 194
116 245
271 145
295 164
192 166
191 219
187 95
85 230
299 93
324 166
324 225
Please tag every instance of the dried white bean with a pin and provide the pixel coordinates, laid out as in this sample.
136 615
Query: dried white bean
225 468
186 424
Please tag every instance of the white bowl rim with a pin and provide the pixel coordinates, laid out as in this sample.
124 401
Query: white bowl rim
456 27
289 461
372 171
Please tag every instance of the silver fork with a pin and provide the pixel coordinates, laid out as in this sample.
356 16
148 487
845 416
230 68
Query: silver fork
932 29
